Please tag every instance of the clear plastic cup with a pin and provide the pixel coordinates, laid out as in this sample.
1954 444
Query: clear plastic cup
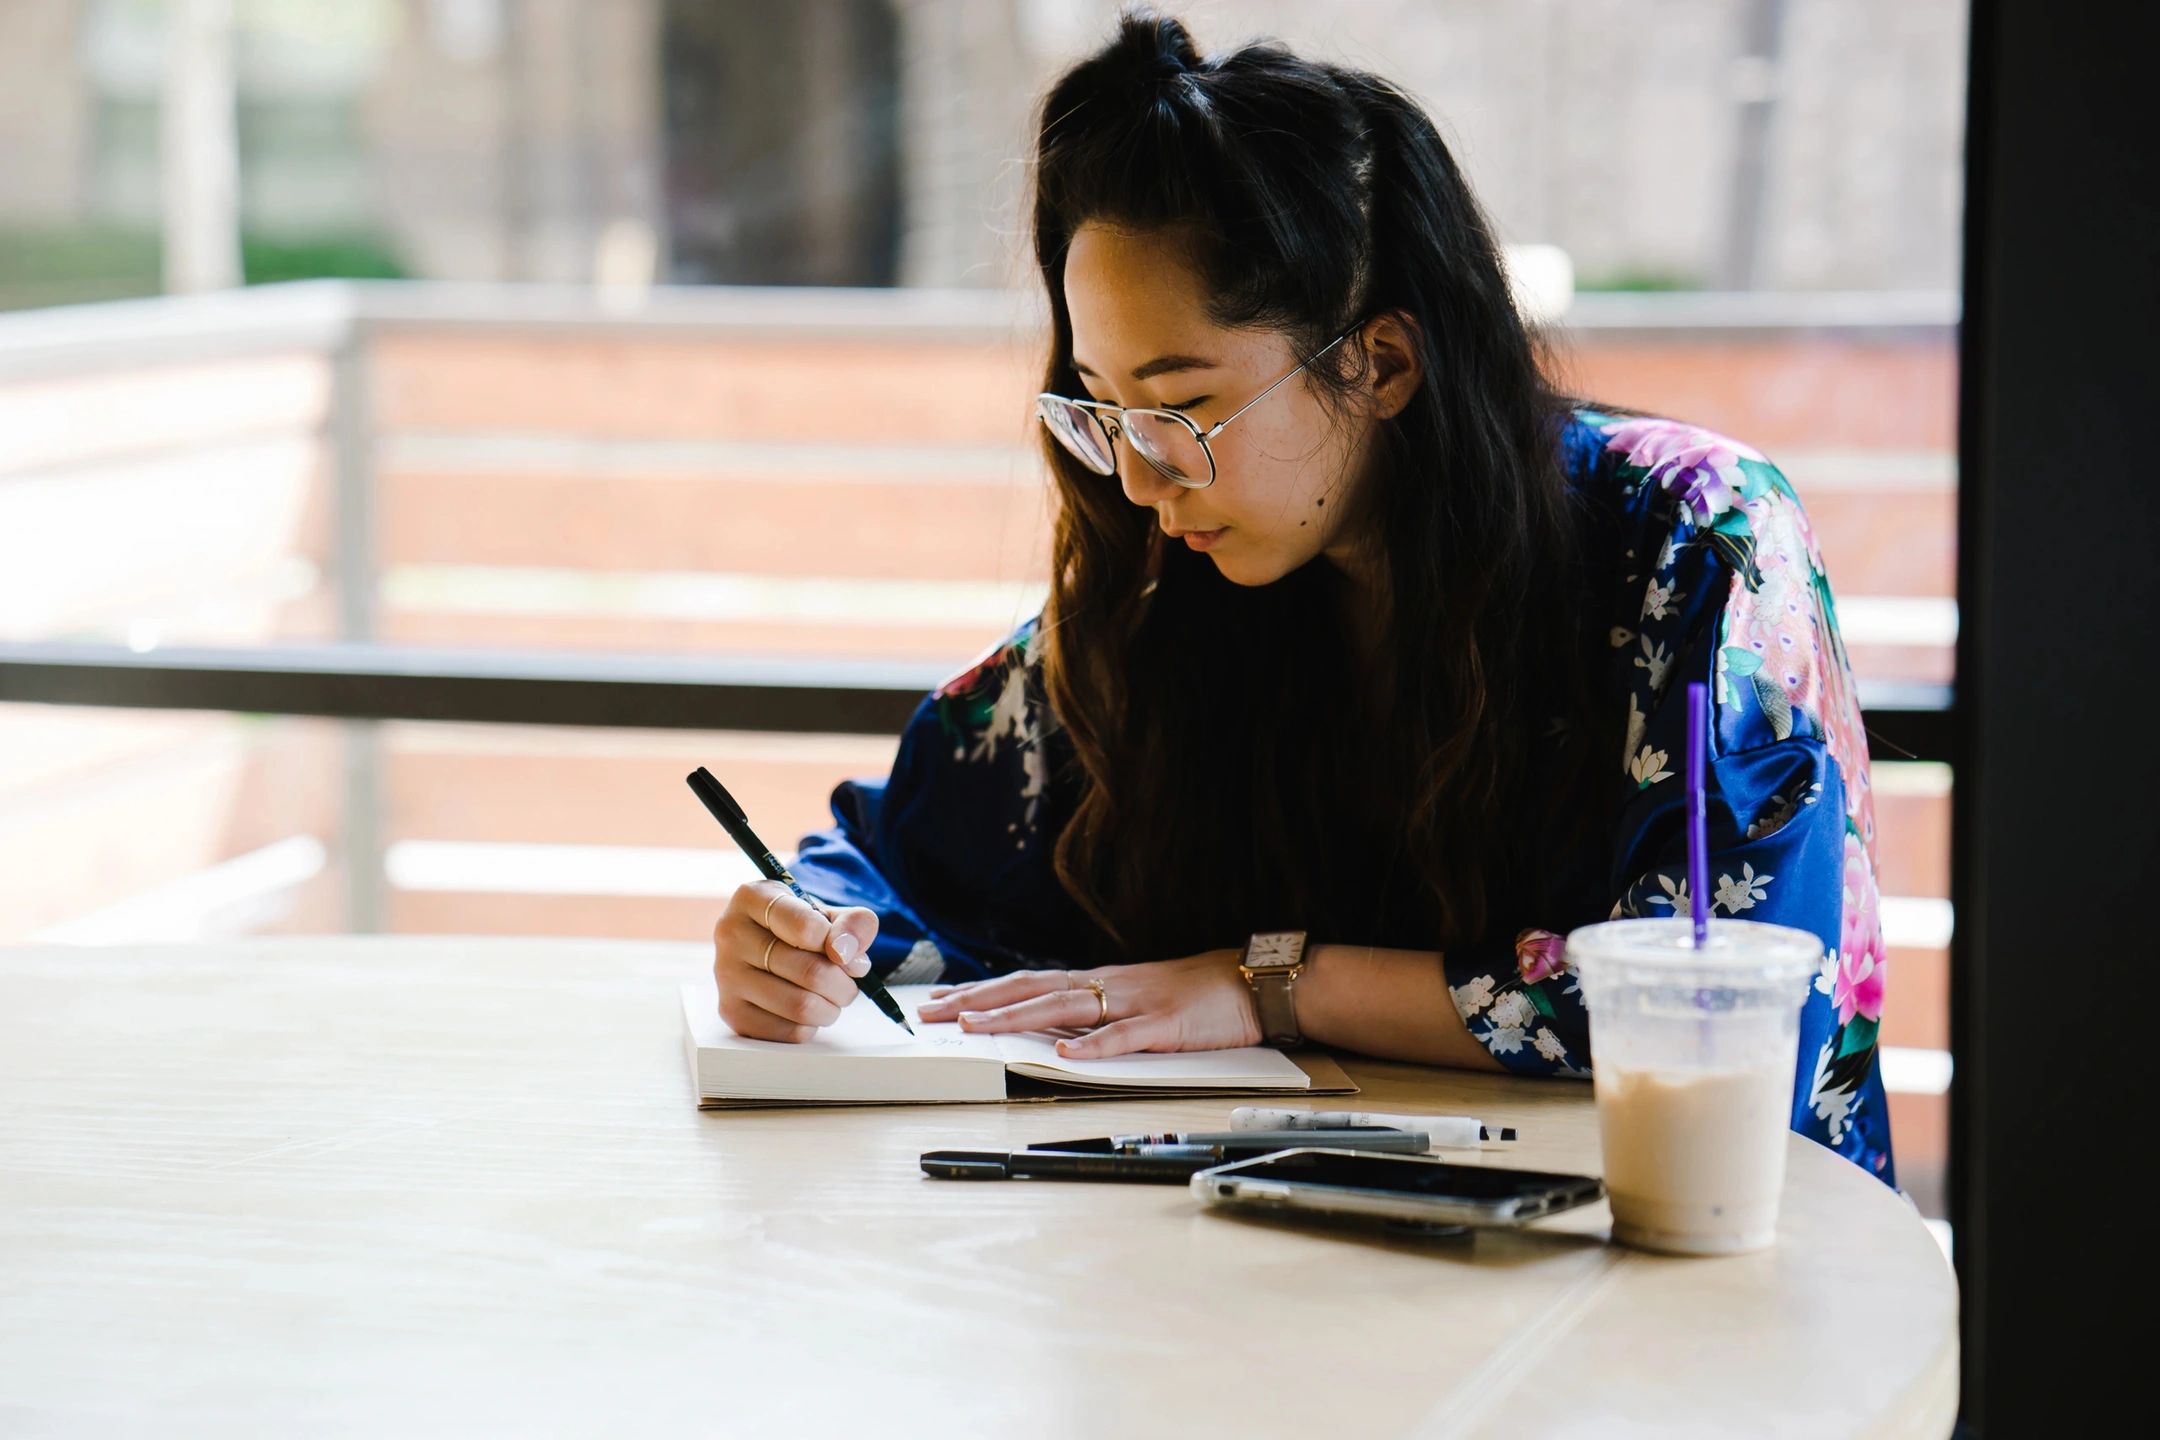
1693 1052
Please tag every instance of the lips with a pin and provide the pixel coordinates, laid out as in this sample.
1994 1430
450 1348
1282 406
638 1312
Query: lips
1199 539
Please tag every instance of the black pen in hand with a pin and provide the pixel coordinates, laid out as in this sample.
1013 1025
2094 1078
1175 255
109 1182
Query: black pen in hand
731 818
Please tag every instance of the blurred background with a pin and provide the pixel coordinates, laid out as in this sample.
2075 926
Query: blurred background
533 336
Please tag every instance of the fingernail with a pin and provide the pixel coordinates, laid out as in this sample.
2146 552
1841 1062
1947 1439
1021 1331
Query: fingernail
844 946
857 967
971 1017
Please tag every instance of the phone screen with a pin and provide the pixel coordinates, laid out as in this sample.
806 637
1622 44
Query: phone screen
1407 1176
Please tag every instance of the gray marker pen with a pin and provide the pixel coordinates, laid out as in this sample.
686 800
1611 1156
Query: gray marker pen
1243 1142
1400 1141
1458 1131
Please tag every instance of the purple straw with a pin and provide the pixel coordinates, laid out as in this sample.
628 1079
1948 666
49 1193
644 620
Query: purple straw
1698 809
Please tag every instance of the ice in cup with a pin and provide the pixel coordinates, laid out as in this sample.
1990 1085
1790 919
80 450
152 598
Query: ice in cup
1693 1053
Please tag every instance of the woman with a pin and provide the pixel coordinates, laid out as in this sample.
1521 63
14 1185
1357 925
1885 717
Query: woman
1388 673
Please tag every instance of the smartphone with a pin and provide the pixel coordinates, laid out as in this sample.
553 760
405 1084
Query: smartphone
1412 1191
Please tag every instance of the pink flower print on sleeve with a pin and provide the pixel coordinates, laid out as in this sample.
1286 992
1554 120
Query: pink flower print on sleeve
1857 986
1539 955
1698 467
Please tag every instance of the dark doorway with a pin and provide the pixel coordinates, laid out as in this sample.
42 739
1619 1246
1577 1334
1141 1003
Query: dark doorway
783 147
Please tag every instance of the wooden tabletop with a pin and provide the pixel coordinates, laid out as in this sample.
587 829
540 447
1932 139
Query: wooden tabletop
413 1187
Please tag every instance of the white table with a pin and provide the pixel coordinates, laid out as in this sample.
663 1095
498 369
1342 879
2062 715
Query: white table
408 1187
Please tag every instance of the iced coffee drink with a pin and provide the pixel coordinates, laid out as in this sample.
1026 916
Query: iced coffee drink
1693 1052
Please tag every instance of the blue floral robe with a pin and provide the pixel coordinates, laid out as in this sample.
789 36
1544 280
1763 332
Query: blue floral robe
1719 580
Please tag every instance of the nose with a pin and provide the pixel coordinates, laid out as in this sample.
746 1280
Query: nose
1142 483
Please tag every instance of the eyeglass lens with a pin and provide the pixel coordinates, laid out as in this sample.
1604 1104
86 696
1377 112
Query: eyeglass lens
1161 441
1080 432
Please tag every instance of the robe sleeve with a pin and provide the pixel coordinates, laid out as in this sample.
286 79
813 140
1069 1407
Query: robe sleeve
953 848
1724 585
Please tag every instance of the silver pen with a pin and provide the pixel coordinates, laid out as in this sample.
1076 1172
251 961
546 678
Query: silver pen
1459 1132
1346 1138
1242 1142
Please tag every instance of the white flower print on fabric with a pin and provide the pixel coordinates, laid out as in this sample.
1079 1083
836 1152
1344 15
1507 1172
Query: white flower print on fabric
1741 894
1832 1105
1513 1011
1011 717
1035 782
1504 1040
1660 602
1657 660
1473 997
1549 1045
1782 809
1648 768
1621 635
989 707
1638 725
1675 898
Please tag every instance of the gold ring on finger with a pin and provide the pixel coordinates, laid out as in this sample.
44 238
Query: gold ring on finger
766 919
1102 1002
766 963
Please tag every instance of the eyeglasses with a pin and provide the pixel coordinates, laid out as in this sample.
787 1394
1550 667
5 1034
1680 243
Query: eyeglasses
1167 440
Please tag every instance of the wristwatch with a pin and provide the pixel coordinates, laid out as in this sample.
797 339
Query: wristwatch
1271 964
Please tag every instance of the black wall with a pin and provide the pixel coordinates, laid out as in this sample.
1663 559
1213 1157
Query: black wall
2056 853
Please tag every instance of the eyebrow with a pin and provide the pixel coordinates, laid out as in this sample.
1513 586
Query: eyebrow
1160 365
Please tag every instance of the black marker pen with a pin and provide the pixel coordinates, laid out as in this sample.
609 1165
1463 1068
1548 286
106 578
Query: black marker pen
1060 1165
731 818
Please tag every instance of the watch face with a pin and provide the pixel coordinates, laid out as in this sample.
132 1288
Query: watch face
1273 951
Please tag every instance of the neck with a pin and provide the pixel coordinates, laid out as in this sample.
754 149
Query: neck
1364 593
1365 619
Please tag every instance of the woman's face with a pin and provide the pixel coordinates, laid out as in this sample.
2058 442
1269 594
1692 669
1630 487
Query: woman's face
1283 472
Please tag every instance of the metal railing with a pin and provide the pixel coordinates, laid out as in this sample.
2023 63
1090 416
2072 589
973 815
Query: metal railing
357 678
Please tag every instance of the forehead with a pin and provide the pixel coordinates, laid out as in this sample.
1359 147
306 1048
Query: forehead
1119 282
1133 296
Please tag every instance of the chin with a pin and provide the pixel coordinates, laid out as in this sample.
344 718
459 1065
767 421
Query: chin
1250 571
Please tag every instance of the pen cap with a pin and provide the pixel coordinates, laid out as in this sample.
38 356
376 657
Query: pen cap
964 1165
715 795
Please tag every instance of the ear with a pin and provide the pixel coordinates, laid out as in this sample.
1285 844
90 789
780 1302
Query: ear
1391 350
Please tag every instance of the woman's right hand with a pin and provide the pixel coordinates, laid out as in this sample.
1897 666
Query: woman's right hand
784 967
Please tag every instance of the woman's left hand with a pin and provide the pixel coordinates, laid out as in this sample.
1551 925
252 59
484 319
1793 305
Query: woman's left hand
1198 1003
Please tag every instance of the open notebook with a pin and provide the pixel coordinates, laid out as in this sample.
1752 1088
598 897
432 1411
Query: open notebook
865 1059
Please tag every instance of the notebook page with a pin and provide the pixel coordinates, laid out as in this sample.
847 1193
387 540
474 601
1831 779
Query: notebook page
1254 1067
861 1057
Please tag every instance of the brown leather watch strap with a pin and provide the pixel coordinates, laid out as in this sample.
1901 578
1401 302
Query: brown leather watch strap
1276 1006
1271 965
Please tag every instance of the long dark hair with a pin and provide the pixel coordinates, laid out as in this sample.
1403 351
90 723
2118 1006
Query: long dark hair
1235 775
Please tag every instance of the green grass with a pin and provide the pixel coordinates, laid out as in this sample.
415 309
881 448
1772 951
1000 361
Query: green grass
74 266
1643 281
